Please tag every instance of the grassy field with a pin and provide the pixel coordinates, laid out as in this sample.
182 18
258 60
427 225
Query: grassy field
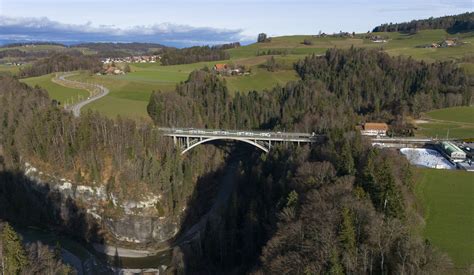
397 44
9 69
56 91
459 121
130 93
456 114
448 206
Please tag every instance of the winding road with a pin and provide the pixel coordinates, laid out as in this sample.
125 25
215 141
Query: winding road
76 108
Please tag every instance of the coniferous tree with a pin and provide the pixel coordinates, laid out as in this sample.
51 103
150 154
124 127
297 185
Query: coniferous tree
14 256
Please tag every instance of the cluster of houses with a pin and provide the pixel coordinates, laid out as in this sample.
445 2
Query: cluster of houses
132 59
228 70
14 64
112 71
445 44
376 38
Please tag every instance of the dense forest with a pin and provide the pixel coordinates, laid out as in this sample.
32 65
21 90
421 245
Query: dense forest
204 101
121 49
33 258
60 62
95 150
373 82
227 46
339 207
363 196
172 56
359 83
342 208
453 24
23 55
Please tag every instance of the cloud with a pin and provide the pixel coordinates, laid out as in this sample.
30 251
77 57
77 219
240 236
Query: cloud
43 29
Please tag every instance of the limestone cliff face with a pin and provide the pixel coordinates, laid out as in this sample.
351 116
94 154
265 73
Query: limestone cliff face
134 223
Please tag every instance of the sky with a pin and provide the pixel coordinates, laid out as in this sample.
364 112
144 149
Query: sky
205 21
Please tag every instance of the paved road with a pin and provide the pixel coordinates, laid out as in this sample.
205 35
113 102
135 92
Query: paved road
246 134
76 108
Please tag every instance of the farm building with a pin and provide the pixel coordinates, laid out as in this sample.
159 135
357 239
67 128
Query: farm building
374 129
448 43
220 68
453 151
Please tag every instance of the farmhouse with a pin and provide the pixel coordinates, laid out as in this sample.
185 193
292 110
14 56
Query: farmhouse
448 43
374 129
220 68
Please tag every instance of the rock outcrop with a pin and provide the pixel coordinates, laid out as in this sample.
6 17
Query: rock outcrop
135 223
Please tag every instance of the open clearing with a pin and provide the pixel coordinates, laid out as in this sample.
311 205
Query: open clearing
454 122
448 206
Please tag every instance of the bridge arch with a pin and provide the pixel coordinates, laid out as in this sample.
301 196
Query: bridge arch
263 148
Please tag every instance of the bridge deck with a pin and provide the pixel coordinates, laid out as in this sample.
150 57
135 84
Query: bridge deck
237 134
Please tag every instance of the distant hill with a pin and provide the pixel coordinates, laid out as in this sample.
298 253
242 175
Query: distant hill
26 44
121 49
135 46
453 24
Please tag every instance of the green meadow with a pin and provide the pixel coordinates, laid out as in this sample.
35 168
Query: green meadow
448 208
130 93
56 91
9 69
397 44
455 122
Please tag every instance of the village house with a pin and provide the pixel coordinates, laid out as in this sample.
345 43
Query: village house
132 59
374 129
220 68
448 43
227 70
113 71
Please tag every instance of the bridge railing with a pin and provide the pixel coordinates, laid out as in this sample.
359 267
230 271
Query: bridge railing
239 133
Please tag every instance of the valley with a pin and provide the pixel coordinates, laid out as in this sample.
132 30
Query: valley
281 156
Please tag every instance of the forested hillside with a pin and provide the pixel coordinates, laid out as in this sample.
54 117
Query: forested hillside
373 82
61 63
173 56
95 150
453 24
359 83
204 101
344 207
336 208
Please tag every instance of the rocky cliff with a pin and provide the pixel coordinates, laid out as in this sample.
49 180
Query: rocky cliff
129 223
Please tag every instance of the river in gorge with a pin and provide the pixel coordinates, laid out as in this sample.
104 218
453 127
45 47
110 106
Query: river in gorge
84 258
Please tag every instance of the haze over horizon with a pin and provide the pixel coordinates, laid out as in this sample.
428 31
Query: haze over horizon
175 23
